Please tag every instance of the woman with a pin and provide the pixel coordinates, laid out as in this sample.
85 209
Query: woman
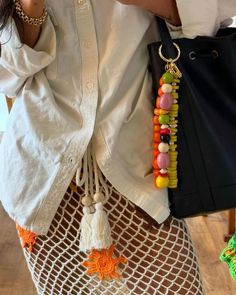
78 70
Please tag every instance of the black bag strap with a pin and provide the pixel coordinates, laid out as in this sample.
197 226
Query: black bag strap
168 47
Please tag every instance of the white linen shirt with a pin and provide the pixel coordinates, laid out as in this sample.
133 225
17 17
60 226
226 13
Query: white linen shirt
85 80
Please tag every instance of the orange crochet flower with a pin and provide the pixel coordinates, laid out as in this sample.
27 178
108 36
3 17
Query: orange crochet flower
28 238
102 263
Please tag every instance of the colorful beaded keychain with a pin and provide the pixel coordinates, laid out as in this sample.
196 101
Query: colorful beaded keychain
165 125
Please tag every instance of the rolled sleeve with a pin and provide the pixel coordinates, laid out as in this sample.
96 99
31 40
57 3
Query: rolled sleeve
198 18
19 61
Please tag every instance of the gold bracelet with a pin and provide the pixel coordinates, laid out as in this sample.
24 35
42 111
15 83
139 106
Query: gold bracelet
36 21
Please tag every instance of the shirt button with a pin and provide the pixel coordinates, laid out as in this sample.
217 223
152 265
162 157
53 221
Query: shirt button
81 2
89 86
87 44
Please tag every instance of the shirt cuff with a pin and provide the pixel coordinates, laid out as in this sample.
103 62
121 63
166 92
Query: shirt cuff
195 24
22 60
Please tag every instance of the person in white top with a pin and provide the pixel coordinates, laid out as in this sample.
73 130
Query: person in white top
80 137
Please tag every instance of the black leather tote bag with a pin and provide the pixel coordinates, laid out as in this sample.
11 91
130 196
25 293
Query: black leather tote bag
207 120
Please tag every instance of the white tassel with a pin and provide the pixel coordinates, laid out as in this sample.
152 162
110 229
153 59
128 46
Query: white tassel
101 231
86 230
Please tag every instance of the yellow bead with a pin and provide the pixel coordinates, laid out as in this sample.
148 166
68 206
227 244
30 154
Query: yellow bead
173 147
173 181
176 87
173 138
172 171
175 95
173 130
174 122
173 164
162 182
172 186
176 80
172 175
174 107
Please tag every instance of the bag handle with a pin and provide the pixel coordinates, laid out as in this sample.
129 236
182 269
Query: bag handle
168 47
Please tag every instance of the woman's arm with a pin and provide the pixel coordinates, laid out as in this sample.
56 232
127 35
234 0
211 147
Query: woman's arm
166 9
29 34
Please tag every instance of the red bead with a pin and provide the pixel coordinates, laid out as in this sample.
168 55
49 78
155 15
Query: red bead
161 82
162 174
165 131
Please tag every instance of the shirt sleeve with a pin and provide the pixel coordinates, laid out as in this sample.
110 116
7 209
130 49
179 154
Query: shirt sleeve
202 18
18 61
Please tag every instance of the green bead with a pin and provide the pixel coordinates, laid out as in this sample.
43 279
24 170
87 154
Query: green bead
164 119
167 78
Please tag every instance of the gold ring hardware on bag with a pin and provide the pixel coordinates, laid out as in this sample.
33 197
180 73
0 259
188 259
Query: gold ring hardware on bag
171 66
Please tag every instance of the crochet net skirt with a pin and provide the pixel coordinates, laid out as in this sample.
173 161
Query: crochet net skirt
161 258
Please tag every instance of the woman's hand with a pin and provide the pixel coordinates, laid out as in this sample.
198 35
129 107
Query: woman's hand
166 9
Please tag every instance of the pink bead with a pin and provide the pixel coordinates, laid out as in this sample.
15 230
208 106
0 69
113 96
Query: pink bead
166 101
163 160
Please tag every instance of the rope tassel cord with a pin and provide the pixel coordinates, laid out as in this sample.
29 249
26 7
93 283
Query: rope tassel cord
86 230
101 231
95 231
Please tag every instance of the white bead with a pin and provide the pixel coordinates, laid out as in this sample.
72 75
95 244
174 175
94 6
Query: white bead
99 197
163 147
87 201
164 126
164 171
166 88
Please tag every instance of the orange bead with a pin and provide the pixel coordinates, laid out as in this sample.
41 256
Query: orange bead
156 137
154 164
160 92
157 128
155 153
155 146
158 112
155 172
158 102
161 82
156 120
